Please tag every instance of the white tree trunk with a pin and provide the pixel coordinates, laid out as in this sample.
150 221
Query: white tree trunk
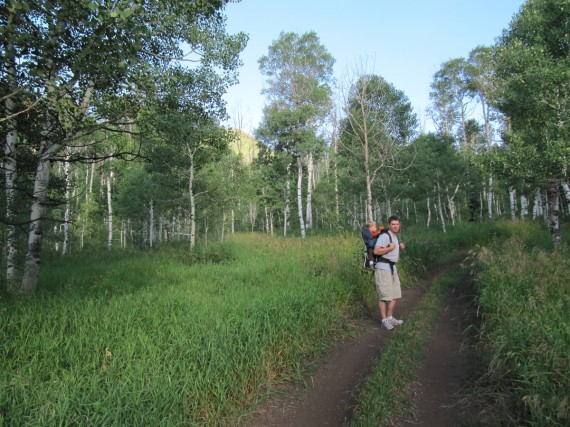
429 212
513 202
109 211
416 212
252 215
537 209
55 242
91 177
86 185
451 204
524 206
440 208
566 191
309 207
490 198
336 191
151 223
300 196
377 212
287 208
37 217
67 207
223 226
10 172
192 201
553 196
265 211
10 178
355 216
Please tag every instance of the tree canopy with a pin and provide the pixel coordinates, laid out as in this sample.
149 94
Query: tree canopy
533 73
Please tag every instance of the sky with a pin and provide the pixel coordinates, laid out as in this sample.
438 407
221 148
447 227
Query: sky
404 41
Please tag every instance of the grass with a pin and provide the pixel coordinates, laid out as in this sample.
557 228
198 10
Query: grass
171 338
524 299
158 339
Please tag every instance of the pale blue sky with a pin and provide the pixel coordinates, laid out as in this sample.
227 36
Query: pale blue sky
404 41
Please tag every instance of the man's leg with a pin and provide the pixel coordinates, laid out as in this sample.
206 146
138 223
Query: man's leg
396 294
380 277
391 306
385 298
382 305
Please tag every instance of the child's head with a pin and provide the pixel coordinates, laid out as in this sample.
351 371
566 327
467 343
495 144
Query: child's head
371 225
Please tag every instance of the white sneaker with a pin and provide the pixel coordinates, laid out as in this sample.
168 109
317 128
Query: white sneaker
395 322
386 324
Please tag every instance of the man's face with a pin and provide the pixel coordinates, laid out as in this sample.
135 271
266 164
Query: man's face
394 226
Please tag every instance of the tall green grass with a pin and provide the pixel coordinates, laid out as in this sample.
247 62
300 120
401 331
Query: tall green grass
159 339
524 299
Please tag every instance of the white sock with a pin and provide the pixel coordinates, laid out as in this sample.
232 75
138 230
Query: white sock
390 318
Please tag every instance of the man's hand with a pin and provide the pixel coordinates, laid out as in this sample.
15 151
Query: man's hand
402 246
381 250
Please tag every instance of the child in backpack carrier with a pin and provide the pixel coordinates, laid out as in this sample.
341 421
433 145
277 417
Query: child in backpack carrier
370 234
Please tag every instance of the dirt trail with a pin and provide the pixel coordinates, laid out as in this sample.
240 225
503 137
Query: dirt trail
329 397
450 362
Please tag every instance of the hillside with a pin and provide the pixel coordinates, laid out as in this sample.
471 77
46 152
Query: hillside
246 145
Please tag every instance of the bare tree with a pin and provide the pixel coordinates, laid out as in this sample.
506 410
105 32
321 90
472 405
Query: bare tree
378 121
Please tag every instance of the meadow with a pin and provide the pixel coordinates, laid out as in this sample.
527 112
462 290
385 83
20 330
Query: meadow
171 338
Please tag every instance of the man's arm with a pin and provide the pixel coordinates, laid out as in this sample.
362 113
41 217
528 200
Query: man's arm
379 250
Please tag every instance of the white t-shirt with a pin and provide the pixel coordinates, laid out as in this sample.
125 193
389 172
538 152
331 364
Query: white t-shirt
394 255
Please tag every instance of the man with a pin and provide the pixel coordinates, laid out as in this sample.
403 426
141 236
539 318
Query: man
387 250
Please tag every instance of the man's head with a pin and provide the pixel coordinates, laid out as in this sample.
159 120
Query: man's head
394 224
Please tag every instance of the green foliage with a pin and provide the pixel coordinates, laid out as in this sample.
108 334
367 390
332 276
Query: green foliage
435 158
449 93
524 302
81 66
533 69
299 72
154 339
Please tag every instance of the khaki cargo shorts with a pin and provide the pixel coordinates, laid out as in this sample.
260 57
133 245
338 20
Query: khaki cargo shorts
387 285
